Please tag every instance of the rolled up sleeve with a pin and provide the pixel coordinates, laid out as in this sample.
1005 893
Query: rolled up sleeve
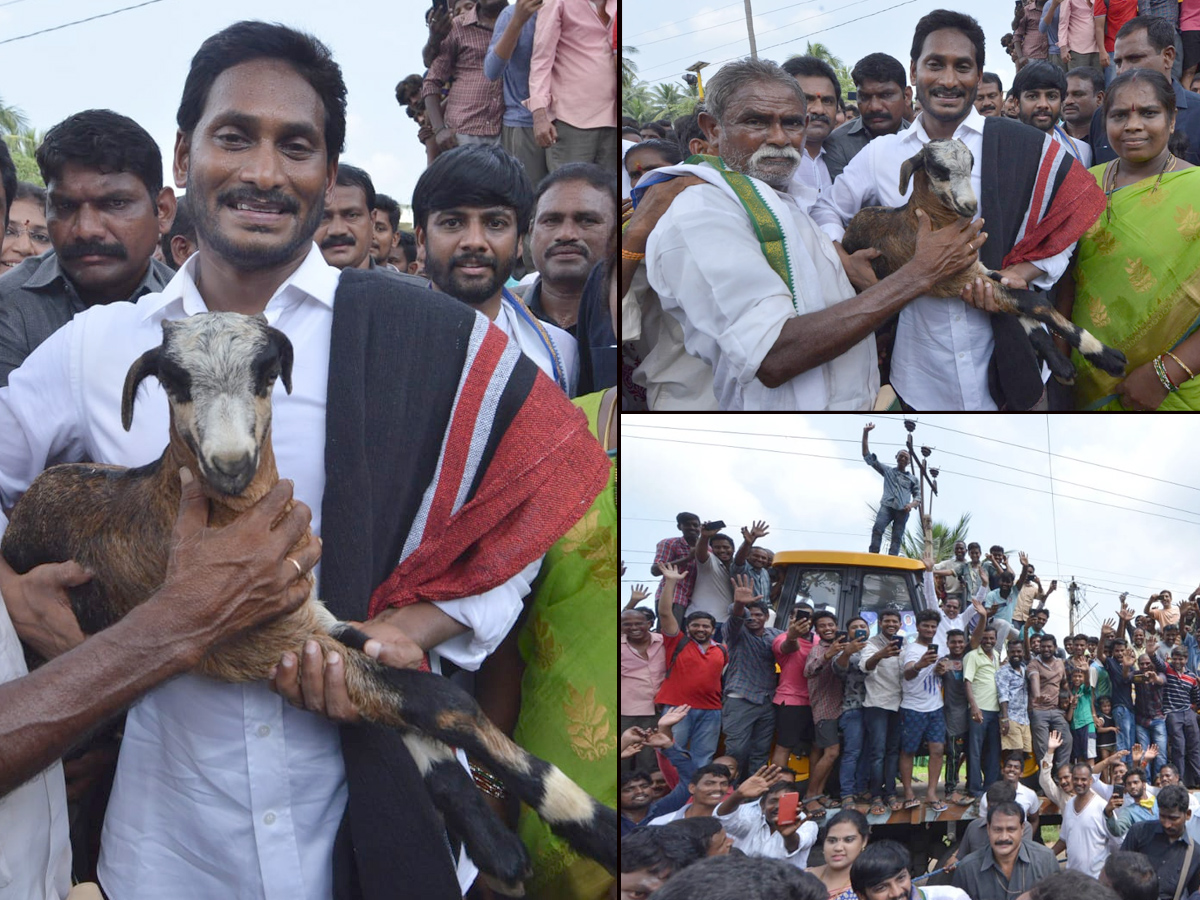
488 616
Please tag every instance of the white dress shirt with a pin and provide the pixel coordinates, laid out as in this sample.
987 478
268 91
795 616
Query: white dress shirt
883 681
1078 148
943 345
753 836
532 345
35 843
218 785
812 172
708 268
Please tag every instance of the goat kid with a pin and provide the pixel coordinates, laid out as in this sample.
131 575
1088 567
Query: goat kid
941 178
218 370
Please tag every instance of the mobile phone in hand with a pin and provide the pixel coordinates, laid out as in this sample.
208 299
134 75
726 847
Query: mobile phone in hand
840 636
860 634
933 648
789 805
713 526
898 640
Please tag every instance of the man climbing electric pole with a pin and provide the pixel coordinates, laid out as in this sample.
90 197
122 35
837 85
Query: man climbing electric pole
897 485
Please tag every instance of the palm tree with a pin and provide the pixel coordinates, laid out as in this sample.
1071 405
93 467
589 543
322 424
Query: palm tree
637 102
628 67
25 139
12 120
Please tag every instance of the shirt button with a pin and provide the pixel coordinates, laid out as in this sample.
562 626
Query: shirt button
264 730
958 318
269 819
961 355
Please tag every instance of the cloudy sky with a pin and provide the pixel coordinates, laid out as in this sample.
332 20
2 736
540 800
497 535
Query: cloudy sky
805 476
672 34
135 63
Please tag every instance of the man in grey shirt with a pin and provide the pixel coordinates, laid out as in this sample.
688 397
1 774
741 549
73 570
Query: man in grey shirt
897 486
106 208
883 100
1009 865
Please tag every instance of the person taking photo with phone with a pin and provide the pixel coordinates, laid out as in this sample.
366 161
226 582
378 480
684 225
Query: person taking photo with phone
921 719
759 829
793 708
880 661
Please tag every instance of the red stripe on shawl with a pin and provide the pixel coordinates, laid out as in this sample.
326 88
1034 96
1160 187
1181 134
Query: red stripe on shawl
1074 208
1043 179
544 476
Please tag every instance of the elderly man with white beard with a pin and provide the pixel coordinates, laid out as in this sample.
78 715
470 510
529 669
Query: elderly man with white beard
759 291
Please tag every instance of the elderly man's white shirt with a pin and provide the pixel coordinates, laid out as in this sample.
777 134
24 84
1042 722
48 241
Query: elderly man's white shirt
217 784
753 836
812 172
943 345
35 843
708 268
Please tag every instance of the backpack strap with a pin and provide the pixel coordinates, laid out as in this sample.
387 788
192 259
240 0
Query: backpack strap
1183 873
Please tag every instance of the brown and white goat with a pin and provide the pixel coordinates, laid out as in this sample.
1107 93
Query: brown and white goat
218 370
941 177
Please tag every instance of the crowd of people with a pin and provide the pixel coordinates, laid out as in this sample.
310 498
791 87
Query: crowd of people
719 700
737 291
477 346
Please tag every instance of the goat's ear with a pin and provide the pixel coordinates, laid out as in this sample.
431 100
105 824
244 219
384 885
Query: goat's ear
284 347
907 168
146 364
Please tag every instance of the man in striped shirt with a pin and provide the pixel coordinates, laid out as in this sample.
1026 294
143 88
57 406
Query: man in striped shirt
1181 694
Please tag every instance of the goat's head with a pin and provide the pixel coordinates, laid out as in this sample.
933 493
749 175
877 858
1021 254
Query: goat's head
217 370
947 165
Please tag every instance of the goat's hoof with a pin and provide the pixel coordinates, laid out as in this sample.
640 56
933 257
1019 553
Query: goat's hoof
598 838
1109 360
1061 367
501 857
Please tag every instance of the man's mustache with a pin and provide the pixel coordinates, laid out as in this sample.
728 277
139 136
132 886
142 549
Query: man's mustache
93 248
819 117
337 240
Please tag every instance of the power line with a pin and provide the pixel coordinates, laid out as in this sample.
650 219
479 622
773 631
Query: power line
629 37
947 471
1053 512
1086 462
735 22
22 37
790 40
986 462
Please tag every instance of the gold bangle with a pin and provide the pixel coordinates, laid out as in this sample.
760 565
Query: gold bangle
1190 373
629 254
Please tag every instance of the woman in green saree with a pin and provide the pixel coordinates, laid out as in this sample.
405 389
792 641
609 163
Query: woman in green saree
1135 283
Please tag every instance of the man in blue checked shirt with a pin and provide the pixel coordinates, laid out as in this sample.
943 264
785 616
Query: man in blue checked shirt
897 484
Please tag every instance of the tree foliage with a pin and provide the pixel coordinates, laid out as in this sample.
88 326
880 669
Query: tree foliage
913 543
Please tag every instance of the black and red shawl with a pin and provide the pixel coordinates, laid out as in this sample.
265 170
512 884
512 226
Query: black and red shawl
1037 200
451 463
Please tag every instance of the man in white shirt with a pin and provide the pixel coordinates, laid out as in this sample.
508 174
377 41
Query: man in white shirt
249 792
944 347
880 662
823 94
778 321
921 719
755 827
470 210
44 713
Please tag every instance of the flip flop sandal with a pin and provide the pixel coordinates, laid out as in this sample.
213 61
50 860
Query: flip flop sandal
960 799
912 804
815 814
937 806
878 809
895 804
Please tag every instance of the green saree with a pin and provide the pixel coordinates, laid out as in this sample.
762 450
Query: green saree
1137 281
569 690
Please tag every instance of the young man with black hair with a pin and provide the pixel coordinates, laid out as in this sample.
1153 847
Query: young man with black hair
474 106
825 688
948 353
385 228
106 210
747 713
1167 844
823 94
643 667
1040 87
900 490
404 254
879 660
1136 806
261 125
882 872
1131 875
1148 42
707 786
921 719
755 827
1009 865
883 99
650 857
679 552
508 58
713 592
346 230
693 674
471 208
736 877
793 703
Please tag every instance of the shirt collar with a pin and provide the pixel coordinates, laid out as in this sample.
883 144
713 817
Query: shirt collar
917 133
314 279
47 272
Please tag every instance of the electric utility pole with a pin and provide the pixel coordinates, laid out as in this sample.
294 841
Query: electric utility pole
750 30
1071 592
928 476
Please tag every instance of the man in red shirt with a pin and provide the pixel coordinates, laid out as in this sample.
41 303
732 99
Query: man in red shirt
694 665
1110 16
